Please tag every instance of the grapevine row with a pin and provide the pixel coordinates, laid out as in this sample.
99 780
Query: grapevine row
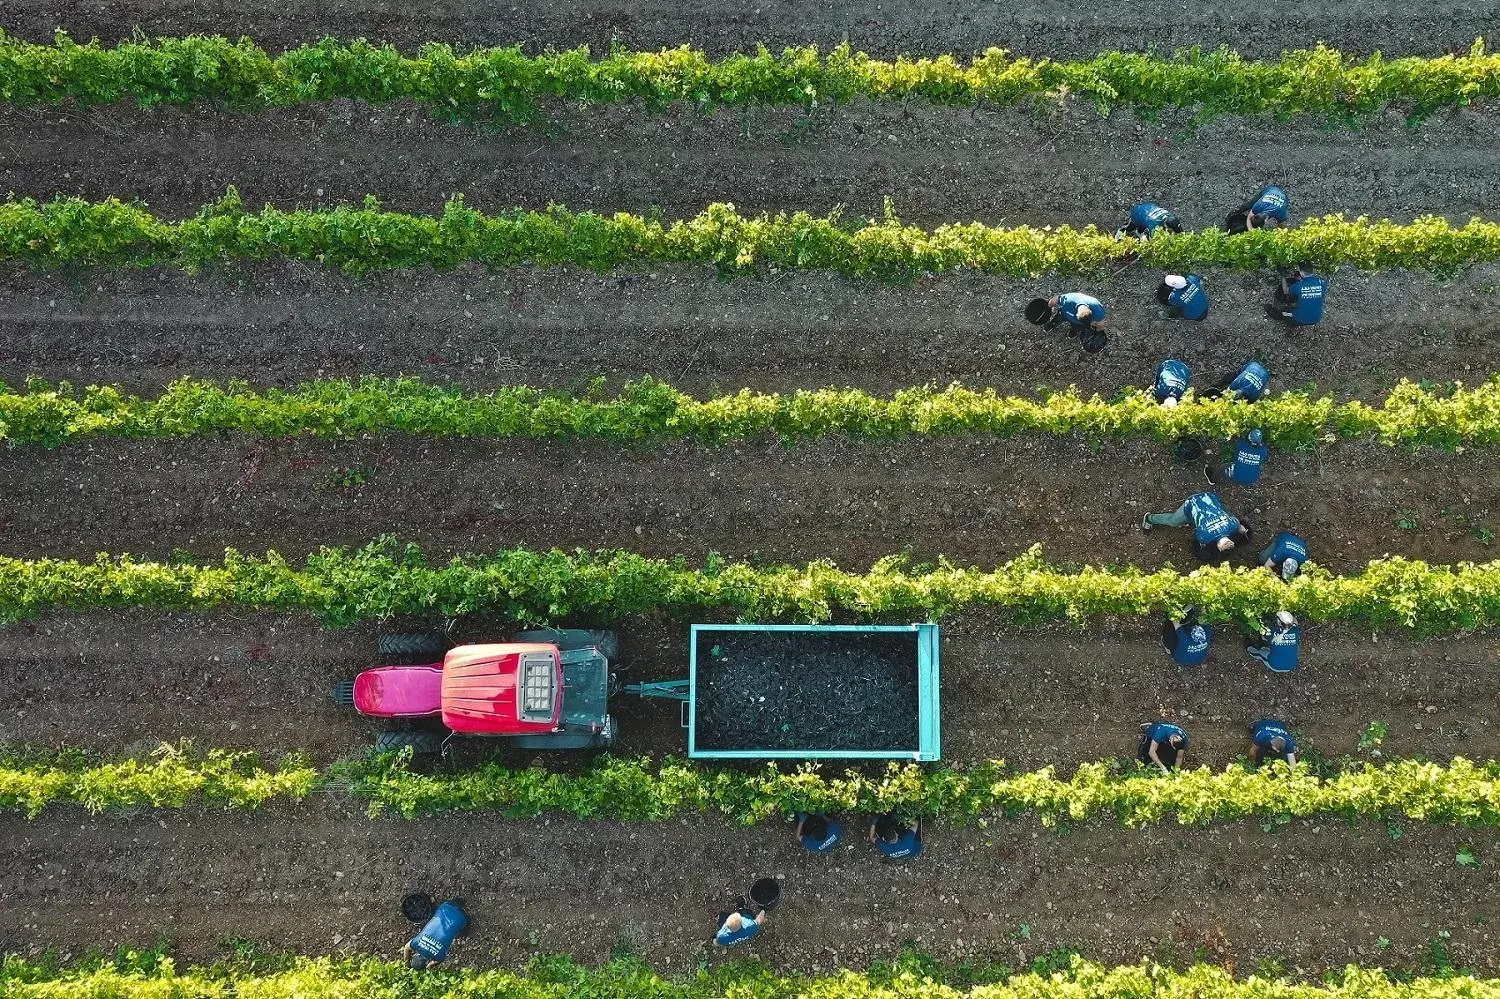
1461 792
69 230
625 978
385 578
506 82
649 410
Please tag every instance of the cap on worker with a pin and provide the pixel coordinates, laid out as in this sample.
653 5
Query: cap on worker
1170 401
1175 281
1289 568
1255 437
417 962
1286 618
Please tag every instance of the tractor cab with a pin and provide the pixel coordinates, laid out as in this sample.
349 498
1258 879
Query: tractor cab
536 694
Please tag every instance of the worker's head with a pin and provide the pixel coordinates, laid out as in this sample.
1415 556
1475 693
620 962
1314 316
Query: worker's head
1225 544
1084 312
1256 437
417 962
888 828
1278 744
1289 569
815 827
1172 225
1170 401
1177 740
1175 281
1286 619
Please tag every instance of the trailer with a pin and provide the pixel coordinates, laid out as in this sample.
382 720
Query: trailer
809 692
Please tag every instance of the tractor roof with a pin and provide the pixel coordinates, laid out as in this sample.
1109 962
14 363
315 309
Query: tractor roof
503 689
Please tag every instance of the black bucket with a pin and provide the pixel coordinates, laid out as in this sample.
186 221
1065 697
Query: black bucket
1187 450
1038 311
417 906
766 893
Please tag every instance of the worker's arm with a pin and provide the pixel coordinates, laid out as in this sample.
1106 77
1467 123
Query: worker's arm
1254 752
872 831
1291 759
760 917
1181 759
406 951
1249 220
1155 758
1270 563
800 819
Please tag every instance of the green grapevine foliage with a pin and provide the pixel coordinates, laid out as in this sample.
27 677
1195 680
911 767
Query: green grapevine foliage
70 230
508 83
649 410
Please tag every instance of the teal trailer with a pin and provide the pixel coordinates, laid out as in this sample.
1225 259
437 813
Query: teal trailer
809 692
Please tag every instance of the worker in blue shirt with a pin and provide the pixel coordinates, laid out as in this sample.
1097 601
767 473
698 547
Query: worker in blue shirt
1163 744
1286 554
1266 210
1300 300
744 923
1248 383
431 945
1270 738
818 833
1282 640
1186 639
1249 461
1215 530
1086 317
1146 218
1171 382
1184 296
896 838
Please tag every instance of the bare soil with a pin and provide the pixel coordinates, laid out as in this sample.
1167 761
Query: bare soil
976 501
1067 28
322 878
1035 166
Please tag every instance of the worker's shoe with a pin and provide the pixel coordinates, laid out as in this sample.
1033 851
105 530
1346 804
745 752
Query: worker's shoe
1146 525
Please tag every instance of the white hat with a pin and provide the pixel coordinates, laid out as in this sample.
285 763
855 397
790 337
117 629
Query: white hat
1175 281
1289 568
1286 618
1170 401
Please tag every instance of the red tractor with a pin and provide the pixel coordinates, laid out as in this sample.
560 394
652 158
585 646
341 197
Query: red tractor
544 690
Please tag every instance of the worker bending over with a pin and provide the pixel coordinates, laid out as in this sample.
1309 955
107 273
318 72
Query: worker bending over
1186 639
1267 210
896 838
744 923
1299 302
1249 383
431 944
1146 218
1184 296
1171 382
1281 641
1164 745
1286 554
818 833
1215 530
1249 461
1085 315
1270 739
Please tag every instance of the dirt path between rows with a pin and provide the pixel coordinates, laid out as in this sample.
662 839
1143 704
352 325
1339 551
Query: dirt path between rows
937 165
282 323
321 878
976 501
124 682
1067 28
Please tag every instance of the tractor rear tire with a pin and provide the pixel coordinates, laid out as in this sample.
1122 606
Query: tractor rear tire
343 693
568 639
413 647
419 741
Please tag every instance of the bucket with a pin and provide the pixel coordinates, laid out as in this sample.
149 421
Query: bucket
766 893
417 906
1188 450
1038 311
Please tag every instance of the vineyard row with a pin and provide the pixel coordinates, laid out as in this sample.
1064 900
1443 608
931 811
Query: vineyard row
147 976
649 411
70 231
1460 792
342 586
506 82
